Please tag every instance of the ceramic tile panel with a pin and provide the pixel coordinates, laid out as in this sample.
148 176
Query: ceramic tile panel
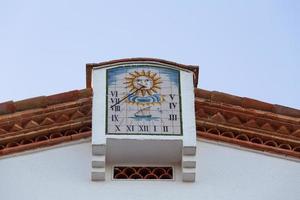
143 99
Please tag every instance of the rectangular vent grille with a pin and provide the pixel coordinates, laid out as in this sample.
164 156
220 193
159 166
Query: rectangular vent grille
125 172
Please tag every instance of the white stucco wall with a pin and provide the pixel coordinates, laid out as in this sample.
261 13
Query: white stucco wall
222 173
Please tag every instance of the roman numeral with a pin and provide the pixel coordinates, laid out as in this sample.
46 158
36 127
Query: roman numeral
165 129
116 108
172 117
143 128
115 100
114 93
114 118
130 128
172 105
172 96
117 127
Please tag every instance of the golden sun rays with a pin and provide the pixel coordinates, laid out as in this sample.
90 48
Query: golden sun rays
143 82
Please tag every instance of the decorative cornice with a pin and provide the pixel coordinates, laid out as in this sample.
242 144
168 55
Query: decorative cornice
255 125
62 118
46 121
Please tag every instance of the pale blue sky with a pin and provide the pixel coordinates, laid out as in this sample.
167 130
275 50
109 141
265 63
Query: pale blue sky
246 48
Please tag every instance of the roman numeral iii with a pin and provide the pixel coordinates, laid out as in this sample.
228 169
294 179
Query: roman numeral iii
173 117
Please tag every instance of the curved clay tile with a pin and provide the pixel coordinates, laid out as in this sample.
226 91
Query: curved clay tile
77 115
201 128
252 123
297 149
256 140
200 113
2 131
55 135
228 134
47 121
41 138
283 130
271 143
296 133
26 141
31 124
15 128
63 97
285 146
70 132
267 127
242 137
63 118
235 120
12 144
89 113
218 117
86 109
214 131
84 129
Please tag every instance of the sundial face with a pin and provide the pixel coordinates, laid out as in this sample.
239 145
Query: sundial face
143 100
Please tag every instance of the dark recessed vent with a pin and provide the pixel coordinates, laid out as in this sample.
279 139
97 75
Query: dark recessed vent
125 172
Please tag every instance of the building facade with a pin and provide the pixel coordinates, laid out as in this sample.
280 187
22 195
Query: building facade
243 148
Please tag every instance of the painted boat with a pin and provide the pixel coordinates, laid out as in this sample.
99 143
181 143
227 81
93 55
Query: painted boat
143 113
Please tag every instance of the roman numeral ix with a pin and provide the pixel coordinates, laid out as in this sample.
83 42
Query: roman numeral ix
114 118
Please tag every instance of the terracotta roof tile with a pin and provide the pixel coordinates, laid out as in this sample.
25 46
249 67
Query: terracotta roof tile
226 98
10 107
7 107
204 94
245 102
37 102
63 97
283 110
255 104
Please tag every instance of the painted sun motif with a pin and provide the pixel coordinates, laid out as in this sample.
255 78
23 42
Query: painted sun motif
145 83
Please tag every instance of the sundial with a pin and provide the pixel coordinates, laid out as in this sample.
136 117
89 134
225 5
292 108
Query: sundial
143 99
